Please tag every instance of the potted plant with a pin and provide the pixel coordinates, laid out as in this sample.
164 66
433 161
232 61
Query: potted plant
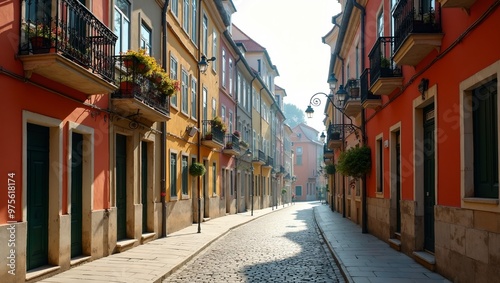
140 62
218 124
330 169
355 162
128 87
197 169
229 145
335 136
236 134
208 135
40 36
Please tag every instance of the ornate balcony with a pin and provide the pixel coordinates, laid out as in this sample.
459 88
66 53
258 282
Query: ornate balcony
269 162
232 145
63 41
259 158
417 26
327 153
385 76
368 99
137 96
212 137
334 136
352 106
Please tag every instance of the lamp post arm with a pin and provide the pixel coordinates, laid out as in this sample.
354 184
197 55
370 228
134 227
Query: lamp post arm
315 101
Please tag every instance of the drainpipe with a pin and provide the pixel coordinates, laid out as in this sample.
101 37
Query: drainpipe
364 216
163 143
200 95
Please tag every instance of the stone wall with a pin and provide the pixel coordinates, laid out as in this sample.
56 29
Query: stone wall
467 244
378 217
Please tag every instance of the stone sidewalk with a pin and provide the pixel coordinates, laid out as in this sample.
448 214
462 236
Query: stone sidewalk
365 258
362 257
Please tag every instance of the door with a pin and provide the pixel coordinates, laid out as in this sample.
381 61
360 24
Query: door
429 193
398 183
76 194
206 194
37 196
121 186
144 186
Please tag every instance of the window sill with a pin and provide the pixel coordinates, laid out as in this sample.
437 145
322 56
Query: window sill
492 201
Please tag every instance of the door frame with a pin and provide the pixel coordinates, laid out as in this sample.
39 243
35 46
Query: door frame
87 181
55 179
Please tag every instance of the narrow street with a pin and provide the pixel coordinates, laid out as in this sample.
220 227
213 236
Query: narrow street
284 246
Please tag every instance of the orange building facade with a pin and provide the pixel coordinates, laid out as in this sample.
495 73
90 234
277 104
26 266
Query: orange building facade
427 72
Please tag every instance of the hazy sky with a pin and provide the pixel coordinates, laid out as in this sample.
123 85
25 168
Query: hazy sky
292 31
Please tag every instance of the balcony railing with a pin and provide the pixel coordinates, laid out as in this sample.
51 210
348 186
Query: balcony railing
368 99
415 16
381 64
134 84
232 144
71 30
270 162
212 136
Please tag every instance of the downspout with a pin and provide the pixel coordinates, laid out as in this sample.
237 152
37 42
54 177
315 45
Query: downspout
241 133
200 114
364 215
163 143
343 142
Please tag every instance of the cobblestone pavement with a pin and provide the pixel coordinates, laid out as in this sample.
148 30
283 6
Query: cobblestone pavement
284 246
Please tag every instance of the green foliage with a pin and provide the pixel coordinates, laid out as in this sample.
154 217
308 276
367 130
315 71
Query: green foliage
197 169
355 162
283 191
330 169
294 115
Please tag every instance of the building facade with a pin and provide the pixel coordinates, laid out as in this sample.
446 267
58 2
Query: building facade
428 123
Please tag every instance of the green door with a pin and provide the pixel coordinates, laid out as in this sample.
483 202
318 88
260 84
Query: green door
76 194
121 186
144 185
37 196
429 193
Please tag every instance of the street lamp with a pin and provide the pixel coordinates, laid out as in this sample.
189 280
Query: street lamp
322 137
332 82
203 64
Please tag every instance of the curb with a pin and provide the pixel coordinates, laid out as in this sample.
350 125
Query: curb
341 265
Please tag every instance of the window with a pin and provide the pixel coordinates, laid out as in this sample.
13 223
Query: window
223 113
230 73
184 92
485 140
145 42
174 7
230 121
298 157
205 34
173 75
194 112
298 190
184 164
205 108
380 165
122 26
194 23
380 24
173 175
214 49
238 91
185 16
214 178
214 107
223 63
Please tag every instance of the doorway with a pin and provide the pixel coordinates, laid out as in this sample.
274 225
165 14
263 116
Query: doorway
121 186
429 178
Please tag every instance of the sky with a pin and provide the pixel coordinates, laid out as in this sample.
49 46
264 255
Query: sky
292 31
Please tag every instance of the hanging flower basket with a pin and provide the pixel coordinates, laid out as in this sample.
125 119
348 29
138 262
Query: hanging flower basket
355 162
197 169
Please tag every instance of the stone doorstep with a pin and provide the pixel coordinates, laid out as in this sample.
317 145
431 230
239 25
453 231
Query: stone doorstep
147 237
395 244
79 260
426 259
41 272
124 245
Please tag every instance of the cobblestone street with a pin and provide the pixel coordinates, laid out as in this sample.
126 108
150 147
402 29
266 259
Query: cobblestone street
284 246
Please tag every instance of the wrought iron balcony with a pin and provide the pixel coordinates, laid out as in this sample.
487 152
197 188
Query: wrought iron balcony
212 136
327 153
385 76
232 145
334 136
352 106
63 41
137 94
368 99
259 157
417 31
269 162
